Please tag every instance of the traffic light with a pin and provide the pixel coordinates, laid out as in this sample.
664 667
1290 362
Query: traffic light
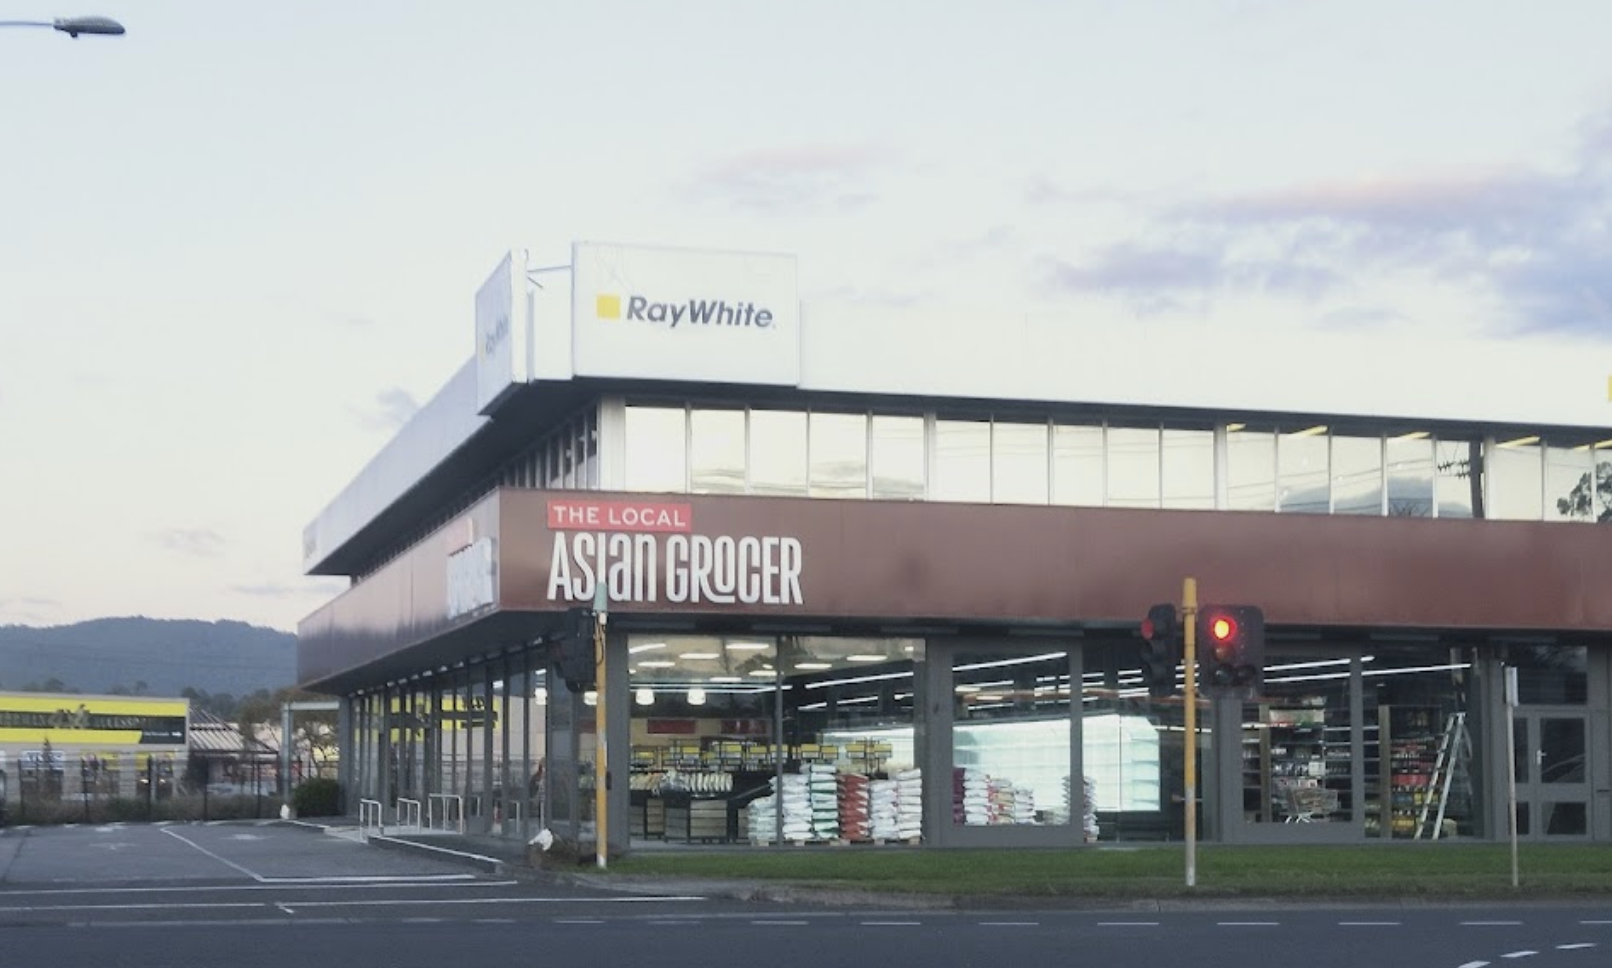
1161 650
1231 649
574 650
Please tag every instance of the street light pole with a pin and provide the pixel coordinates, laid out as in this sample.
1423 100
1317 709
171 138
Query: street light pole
73 26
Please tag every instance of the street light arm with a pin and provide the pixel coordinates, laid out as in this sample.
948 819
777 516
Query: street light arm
72 26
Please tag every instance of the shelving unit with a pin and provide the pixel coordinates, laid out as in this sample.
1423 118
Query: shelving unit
1289 746
1408 742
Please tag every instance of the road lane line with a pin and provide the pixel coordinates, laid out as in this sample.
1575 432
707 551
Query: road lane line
891 924
1127 924
1248 924
1370 924
267 886
775 923
1490 924
1520 954
1474 964
1010 924
1576 946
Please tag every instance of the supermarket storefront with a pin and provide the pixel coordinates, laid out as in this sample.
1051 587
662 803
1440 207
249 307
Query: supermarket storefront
821 672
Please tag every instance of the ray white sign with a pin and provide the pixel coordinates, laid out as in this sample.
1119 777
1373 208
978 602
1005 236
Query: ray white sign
683 314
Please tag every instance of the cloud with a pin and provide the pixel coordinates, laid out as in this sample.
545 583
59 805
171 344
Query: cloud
796 177
392 409
197 542
1535 244
321 590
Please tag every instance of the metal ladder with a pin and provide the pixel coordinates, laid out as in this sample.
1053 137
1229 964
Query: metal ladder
1454 746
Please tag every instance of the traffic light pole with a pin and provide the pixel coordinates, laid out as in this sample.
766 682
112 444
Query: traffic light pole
1189 708
601 758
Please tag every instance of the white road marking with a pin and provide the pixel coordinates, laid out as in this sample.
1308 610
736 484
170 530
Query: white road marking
1575 947
1369 924
1474 964
579 921
1490 924
285 907
1520 954
680 922
1009 924
891 924
1249 924
1595 922
254 875
770 923
1127 924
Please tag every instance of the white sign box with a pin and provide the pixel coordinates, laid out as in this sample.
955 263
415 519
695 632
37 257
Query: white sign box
683 314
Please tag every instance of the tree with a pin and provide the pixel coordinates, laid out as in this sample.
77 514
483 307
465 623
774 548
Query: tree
1591 497
314 732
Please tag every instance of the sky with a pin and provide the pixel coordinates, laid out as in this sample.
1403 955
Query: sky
239 245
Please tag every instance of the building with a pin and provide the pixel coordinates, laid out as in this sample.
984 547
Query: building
877 576
55 746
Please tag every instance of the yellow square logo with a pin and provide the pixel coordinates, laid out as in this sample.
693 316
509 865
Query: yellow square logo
607 306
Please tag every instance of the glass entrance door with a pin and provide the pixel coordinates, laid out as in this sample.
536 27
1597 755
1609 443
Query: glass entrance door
1553 790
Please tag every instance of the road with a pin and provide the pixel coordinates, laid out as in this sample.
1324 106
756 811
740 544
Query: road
248 895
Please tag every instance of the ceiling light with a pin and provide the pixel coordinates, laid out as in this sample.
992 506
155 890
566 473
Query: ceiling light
813 666
591 697
657 663
726 679
762 673
1315 431
700 655
696 696
1232 428
865 658
1413 435
1521 441
644 697
646 647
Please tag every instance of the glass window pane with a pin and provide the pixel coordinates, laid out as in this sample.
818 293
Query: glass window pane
1301 471
1077 465
839 454
1410 474
1010 738
1250 468
716 451
777 452
1133 467
962 460
898 457
1357 475
1458 484
656 450
1189 468
1517 480
1569 483
1603 481
1019 463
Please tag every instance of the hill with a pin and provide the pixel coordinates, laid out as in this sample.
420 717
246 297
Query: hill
156 657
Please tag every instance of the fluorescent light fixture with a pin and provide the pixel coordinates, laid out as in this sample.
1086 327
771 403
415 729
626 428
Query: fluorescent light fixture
1413 435
865 658
657 663
814 666
645 647
726 679
1232 428
1315 431
591 697
762 674
1602 443
747 646
965 687
696 696
1521 441
700 655
541 695
851 680
644 697
998 663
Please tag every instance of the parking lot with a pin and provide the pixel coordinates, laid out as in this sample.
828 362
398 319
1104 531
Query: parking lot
265 852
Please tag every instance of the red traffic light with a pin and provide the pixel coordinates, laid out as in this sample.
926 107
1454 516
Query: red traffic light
1222 628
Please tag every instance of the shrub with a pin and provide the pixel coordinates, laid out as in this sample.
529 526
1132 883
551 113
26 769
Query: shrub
318 797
